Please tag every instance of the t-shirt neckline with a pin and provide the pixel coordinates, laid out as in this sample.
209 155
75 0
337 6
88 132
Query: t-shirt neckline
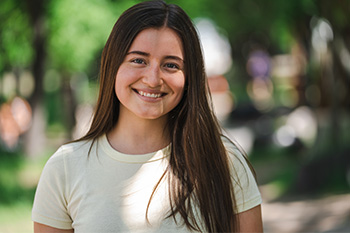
132 158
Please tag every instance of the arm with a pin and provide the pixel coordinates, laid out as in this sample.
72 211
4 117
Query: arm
251 220
38 228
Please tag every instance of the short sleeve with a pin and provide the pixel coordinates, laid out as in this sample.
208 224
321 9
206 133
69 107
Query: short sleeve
50 204
246 190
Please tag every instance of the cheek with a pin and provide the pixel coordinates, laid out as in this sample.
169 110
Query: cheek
123 79
178 84
120 82
117 84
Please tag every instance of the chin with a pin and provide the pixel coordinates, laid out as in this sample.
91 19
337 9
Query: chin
152 116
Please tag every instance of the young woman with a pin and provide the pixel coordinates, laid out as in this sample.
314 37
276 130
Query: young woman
154 159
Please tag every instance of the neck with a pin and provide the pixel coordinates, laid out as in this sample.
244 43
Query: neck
131 136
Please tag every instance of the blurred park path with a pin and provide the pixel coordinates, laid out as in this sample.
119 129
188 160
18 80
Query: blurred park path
285 212
328 214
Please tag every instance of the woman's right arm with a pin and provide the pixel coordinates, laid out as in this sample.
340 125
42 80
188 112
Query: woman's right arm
41 228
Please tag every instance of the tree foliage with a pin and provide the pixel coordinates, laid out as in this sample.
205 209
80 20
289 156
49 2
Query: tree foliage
59 43
15 36
78 31
68 36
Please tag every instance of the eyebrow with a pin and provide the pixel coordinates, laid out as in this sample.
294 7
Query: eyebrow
139 53
147 55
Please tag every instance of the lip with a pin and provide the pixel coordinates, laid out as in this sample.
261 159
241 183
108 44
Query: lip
149 95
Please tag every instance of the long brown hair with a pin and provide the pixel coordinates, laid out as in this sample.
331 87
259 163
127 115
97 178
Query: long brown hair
198 165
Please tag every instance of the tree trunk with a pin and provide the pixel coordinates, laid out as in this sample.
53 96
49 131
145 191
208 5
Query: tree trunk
35 137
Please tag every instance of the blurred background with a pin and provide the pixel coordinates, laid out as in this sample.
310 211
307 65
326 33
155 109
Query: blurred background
279 73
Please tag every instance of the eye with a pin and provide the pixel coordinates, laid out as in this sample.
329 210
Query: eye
138 61
172 66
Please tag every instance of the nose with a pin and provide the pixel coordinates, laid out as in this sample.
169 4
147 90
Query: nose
152 76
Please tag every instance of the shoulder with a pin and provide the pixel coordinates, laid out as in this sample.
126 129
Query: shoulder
234 151
246 190
72 150
75 148
60 167
54 190
237 158
67 153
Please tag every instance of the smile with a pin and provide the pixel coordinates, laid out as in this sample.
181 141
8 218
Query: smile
150 95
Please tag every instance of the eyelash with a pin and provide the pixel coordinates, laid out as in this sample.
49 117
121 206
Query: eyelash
166 65
173 66
138 61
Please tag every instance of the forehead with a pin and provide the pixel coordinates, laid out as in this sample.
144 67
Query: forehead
158 41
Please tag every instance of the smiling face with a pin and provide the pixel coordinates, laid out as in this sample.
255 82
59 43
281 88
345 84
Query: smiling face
150 81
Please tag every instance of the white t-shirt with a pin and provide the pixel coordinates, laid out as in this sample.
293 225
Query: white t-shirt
109 191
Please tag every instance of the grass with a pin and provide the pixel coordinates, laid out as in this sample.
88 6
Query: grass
16 217
18 180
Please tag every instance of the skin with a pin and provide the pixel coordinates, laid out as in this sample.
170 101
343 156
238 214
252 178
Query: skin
153 65
41 228
149 84
251 220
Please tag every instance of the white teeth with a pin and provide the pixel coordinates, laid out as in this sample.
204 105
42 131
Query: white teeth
152 95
